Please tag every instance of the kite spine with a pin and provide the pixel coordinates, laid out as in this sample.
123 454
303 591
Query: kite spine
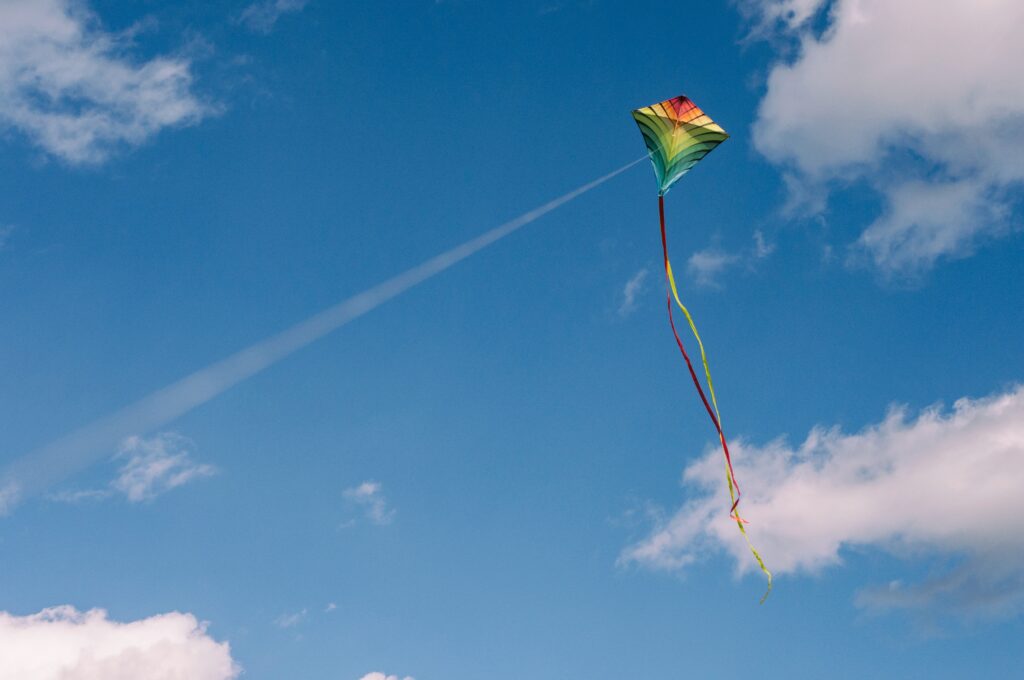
715 415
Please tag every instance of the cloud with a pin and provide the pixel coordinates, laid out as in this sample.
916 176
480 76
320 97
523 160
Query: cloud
10 495
63 643
705 265
762 248
75 496
72 88
152 466
261 16
290 620
926 220
156 465
5 235
382 676
938 119
630 291
771 14
942 487
370 498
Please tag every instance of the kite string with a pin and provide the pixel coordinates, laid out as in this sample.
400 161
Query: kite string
716 418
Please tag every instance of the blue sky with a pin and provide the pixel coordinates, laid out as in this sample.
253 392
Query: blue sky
504 472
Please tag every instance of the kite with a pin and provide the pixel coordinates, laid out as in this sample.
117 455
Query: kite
678 135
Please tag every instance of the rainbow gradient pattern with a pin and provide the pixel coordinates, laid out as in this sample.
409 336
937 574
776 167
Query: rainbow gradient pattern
678 134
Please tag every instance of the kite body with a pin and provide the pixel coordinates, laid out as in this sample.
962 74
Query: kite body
678 135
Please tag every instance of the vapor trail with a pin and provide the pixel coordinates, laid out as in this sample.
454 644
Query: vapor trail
65 456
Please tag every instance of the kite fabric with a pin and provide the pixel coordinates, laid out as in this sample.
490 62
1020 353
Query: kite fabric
678 135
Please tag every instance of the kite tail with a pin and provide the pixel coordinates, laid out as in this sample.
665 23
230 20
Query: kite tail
712 407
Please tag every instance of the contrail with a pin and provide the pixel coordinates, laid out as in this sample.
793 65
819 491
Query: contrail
63 457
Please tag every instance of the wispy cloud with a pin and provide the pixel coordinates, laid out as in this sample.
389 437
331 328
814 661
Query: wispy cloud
924 221
762 248
705 266
261 16
290 620
150 467
770 15
75 496
72 88
62 642
156 465
381 676
369 497
630 291
938 487
5 234
938 133
10 495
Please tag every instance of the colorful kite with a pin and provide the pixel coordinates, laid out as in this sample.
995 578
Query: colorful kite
678 134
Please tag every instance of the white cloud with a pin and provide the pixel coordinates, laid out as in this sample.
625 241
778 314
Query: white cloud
73 90
370 498
928 220
630 291
156 465
940 116
152 466
5 234
61 643
943 487
290 620
10 495
706 265
762 248
788 13
74 496
262 15
382 676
